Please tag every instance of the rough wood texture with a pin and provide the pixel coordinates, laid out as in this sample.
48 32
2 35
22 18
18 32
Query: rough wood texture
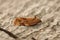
47 10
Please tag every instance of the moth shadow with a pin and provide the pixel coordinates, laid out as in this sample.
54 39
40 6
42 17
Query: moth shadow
35 26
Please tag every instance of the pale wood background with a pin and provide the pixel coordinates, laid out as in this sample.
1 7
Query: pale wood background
47 10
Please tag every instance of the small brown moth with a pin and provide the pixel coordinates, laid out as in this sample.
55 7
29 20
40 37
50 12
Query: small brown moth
26 21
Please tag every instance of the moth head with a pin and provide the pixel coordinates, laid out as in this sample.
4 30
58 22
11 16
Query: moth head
17 21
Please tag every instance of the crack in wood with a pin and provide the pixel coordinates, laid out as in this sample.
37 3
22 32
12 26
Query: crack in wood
9 33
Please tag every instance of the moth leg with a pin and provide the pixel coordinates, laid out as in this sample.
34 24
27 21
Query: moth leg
26 24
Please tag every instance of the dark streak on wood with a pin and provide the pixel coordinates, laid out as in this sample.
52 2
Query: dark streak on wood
33 38
9 33
46 39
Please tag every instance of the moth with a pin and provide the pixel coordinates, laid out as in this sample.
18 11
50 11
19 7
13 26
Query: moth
20 21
